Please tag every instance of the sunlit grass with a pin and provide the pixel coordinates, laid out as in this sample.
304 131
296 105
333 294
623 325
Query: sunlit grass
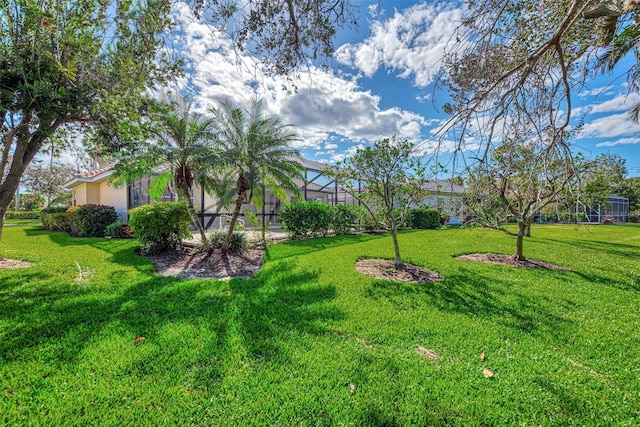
310 341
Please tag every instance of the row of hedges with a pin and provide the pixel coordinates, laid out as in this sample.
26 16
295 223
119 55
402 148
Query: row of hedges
160 226
22 215
82 221
563 217
304 219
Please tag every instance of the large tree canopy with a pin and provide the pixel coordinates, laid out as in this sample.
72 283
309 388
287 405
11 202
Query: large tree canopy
284 34
73 62
512 58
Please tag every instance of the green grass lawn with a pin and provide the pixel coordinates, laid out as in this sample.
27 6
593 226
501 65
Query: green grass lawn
286 347
21 221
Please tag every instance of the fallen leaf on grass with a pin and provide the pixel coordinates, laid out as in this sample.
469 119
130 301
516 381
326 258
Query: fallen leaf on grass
487 373
483 355
423 351
138 340
352 387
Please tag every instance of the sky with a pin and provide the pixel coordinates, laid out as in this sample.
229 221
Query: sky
381 82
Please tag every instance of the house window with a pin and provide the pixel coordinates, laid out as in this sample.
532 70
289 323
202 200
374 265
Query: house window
74 197
315 199
440 204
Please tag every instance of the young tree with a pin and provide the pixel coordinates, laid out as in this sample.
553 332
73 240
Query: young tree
388 179
257 152
519 179
66 62
181 147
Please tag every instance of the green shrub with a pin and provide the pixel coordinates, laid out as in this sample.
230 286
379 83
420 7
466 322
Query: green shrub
563 217
90 220
303 219
424 218
160 226
55 219
22 215
238 243
118 230
344 218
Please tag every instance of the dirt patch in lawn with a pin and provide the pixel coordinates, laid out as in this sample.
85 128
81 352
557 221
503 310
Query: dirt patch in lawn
503 259
383 269
13 263
191 264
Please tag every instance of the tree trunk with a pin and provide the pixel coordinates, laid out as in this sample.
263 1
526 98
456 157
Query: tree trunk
234 219
194 218
519 256
397 263
3 211
242 186
27 147
527 229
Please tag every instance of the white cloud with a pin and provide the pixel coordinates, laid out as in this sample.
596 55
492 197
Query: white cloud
621 102
611 126
326 105
621 141
412 42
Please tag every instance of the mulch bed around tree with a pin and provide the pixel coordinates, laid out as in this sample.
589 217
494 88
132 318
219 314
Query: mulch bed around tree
383 269
503 259
191 264
13 263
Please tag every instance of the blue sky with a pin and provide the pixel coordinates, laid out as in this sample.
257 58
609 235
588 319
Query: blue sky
381 82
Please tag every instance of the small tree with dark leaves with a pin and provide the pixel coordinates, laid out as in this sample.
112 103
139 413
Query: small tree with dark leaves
388 178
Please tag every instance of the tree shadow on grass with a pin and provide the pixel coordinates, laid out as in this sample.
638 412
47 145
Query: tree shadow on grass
293 248
473 294
624 280
631 252
253 316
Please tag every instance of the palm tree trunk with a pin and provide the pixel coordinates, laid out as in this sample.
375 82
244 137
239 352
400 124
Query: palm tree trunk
234 219
194 218
242 186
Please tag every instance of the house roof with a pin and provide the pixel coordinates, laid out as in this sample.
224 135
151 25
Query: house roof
436 186
311 164
102 174
97 175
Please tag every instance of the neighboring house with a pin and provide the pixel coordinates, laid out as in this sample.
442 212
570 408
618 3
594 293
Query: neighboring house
446 197
94 188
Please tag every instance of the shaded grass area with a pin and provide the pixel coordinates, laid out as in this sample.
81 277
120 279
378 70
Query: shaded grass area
309 341
21 221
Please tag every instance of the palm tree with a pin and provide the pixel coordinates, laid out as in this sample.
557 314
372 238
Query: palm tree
182 147
256 149
624 42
